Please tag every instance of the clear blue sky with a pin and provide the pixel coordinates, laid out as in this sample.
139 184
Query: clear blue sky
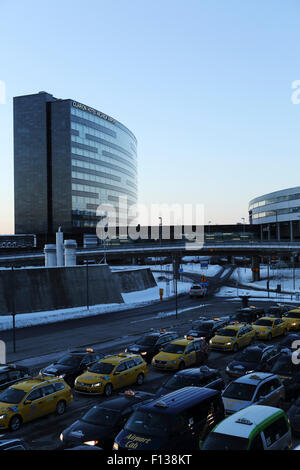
205 85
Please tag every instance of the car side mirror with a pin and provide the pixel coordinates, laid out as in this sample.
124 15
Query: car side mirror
161 349
116 372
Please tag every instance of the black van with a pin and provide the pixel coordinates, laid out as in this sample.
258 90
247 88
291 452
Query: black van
175 421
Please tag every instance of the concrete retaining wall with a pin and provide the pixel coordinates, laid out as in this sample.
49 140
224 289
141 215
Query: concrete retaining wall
135 280
41 289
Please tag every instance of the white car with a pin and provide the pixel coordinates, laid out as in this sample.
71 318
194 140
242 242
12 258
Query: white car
198 291
258 388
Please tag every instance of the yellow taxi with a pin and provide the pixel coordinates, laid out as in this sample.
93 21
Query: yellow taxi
232 337
269 327
111 373
180 353
292 319
31 399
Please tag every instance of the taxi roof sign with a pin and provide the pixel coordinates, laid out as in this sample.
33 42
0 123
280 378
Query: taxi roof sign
244 421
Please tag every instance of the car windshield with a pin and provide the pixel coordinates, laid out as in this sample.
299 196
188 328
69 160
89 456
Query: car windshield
149 423
284 366
72 361
227 332
12 395
239 391
196 287
292 314
250 355
147 340
174 348
217 441
102 368
202 326
263 322
180 381
101 416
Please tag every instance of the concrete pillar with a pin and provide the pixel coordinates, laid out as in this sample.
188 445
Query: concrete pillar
70 252
50 256
278 231
255 268
59 247
291 231
269 232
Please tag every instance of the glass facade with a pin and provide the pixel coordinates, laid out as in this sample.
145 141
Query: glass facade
104 166
288 197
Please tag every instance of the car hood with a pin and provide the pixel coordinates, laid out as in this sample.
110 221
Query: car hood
57 369
8 407
231 404
80 431
90 377
261 327
240 365
162 356
222 339
139 347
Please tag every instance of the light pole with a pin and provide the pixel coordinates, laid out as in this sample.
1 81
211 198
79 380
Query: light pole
243 219
13 307
87 284
160 239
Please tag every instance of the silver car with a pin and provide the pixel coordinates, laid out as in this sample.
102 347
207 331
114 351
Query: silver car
253 389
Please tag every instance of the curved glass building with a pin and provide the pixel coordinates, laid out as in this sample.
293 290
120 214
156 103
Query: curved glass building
69 158
278 213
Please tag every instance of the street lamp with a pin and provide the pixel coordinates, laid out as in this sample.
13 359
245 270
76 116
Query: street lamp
243 219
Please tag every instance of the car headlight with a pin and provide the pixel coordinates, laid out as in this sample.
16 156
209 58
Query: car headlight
91 443
229 343
98 384
62 376
227 369
3 416
249 371
61 437
143 353
115 446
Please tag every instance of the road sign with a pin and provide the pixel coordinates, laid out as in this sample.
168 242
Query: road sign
204 265
203 278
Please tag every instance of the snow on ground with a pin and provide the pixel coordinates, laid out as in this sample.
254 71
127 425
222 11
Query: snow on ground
283 276
131 300
233 292
195 268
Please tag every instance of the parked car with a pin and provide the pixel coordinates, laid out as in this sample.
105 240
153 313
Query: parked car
101 423
277 311
151 343
11 374
72 364
294 415
181 353
289 373
247 315
258 388
196 377
206 328
256 427
252 359
232 337
174 422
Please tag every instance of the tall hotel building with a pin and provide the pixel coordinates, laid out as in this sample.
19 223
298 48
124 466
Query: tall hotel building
68 159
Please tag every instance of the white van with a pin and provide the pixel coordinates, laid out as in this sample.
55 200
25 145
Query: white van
256 427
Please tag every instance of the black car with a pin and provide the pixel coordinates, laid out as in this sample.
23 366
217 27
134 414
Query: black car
254 358
151 343
247 314
288 341
277 311
13 444
197 377
12 373
289 372
206 328
100 425
294 415
72 364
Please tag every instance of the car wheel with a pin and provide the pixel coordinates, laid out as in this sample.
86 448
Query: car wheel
181 366
140 379
235 348
60 407
15 423
270 337
108 390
